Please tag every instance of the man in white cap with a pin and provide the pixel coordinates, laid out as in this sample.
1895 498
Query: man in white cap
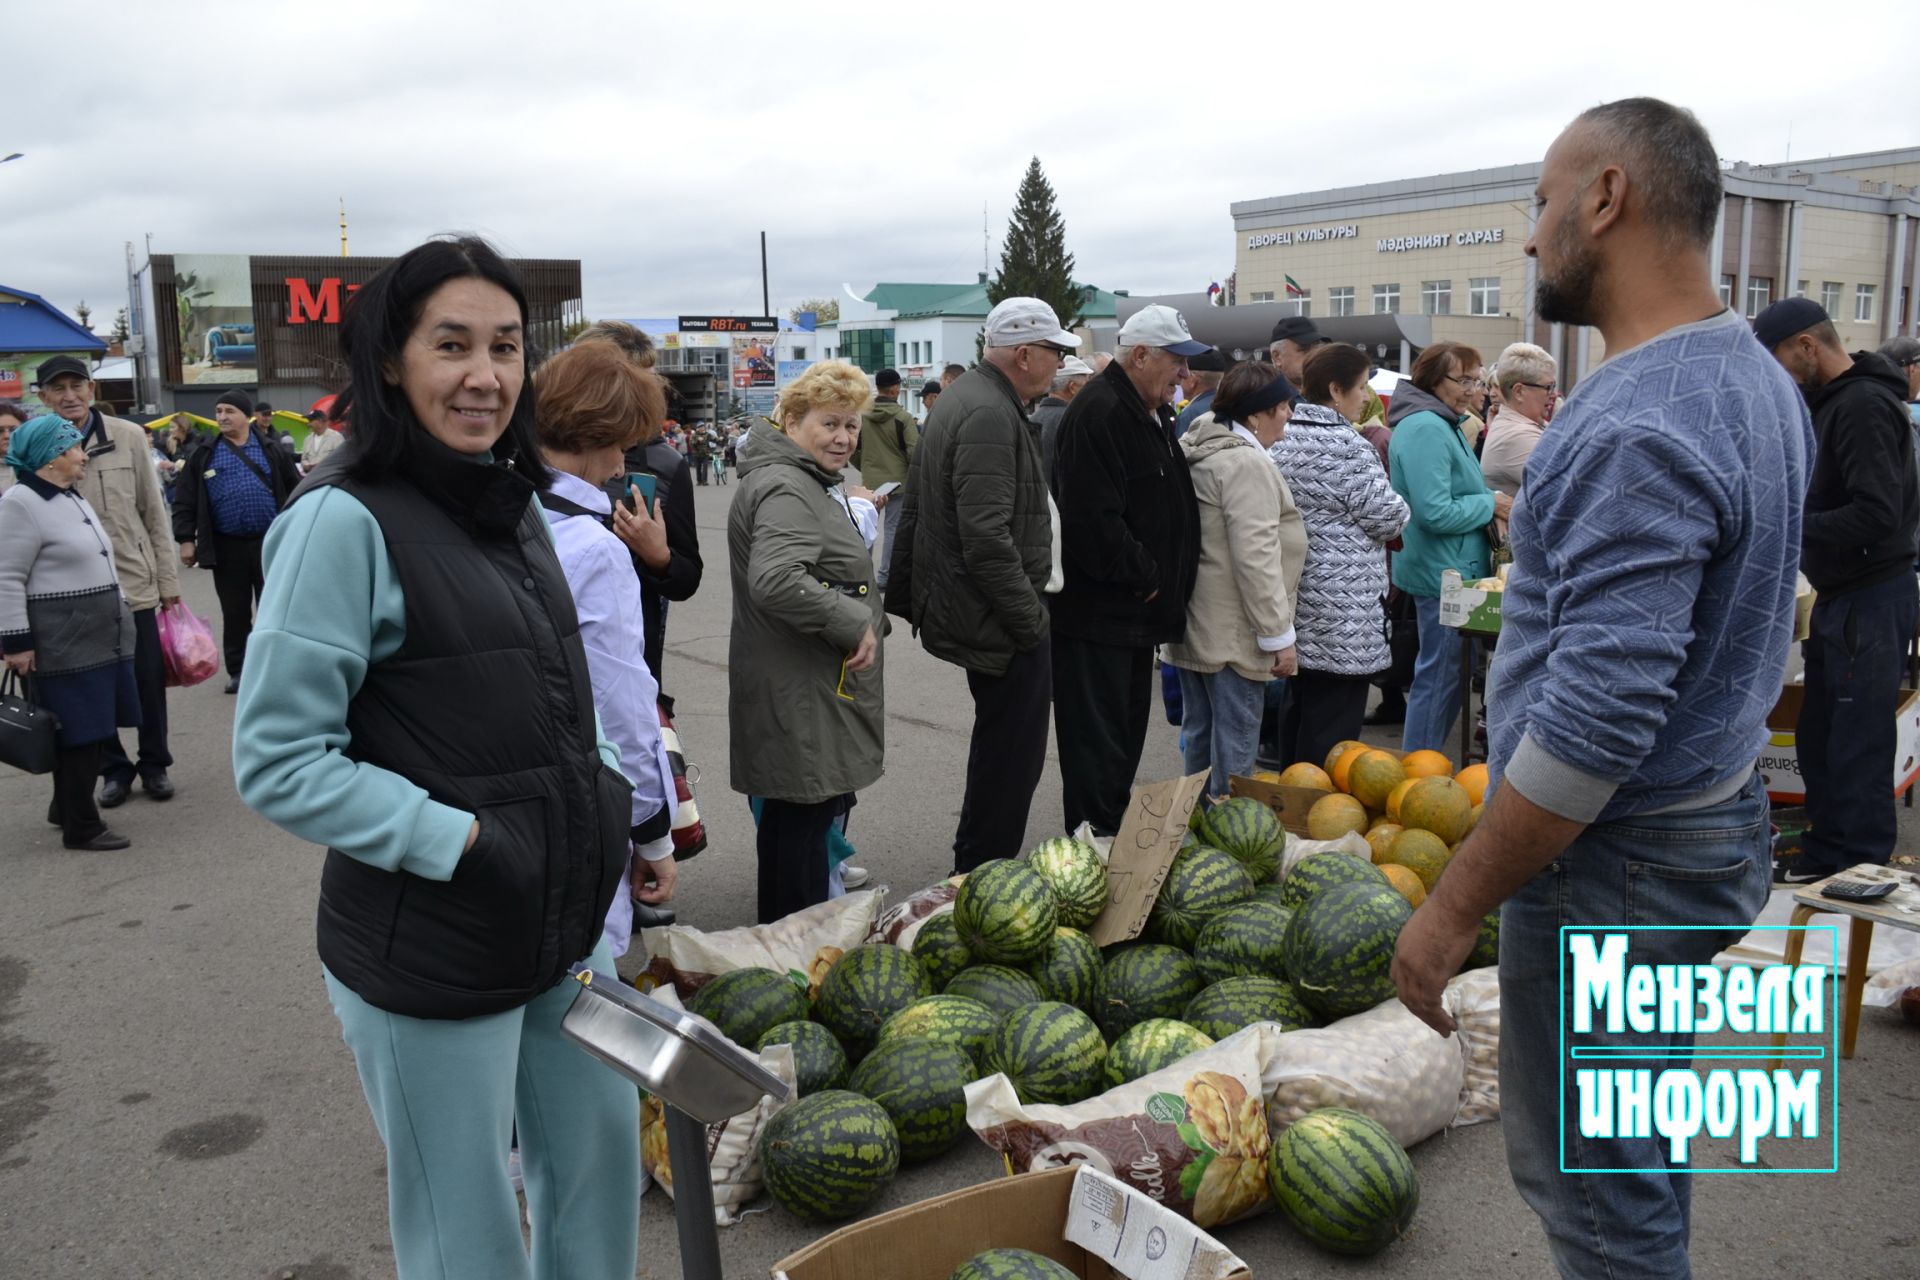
976 558
1073 375
1130 540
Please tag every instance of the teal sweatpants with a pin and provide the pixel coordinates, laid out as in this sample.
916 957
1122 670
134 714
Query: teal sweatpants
446 1096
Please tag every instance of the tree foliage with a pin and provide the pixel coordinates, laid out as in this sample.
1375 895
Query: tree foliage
825 310
1034 262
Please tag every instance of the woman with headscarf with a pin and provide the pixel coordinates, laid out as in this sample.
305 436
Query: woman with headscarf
64 623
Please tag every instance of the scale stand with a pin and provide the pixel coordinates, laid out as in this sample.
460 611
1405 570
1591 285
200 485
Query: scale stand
700 1078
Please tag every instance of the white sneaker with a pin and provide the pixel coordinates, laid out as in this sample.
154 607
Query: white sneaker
852 877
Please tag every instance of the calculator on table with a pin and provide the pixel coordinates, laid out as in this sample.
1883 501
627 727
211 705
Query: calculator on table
1857 890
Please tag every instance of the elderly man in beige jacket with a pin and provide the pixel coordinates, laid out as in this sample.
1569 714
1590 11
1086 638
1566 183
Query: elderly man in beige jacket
123 487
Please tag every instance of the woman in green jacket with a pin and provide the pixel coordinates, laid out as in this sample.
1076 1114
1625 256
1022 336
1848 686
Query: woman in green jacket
1433 468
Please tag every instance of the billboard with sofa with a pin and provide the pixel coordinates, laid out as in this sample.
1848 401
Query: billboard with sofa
215 296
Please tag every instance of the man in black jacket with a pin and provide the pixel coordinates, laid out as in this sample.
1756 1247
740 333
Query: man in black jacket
976 558
1130 542
1857 549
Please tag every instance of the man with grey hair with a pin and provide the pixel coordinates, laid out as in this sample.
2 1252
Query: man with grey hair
975 558
1525 374
1905 354
1207 369
1099 361
1046 415
1293 338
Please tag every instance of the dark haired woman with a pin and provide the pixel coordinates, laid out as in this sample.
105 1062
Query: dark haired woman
1351 513
1240 618
422 708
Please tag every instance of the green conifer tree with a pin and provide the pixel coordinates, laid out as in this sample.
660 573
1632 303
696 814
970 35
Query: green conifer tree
1034 262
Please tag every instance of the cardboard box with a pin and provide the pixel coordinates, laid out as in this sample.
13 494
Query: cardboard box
1780 758
1289 804
1467 607
1094 1226
1142 850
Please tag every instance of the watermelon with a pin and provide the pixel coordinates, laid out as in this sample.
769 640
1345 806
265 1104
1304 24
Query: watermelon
1243 940
1200 884
864 988
1076 875
1486 948
1070 970
1011 1264
1270 891
1324 870
1005 912
1342 1181
744 1004
1340 948
1233 1003
923 1086
818 1060
829 1155
1148 1046
1148 980
999 988
949 1019
939 950
1051 1052
1247 829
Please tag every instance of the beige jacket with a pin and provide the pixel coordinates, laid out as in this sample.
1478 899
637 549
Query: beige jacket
1510 442
1252 547
123 487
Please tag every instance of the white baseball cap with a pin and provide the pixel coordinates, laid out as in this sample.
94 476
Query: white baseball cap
1155 325
1017 321
1075 367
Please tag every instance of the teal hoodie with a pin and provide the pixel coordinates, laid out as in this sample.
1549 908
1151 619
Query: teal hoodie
1435 471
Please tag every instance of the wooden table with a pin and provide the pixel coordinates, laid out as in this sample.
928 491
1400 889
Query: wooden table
1807 903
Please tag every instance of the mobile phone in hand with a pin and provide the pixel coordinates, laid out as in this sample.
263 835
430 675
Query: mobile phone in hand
646 482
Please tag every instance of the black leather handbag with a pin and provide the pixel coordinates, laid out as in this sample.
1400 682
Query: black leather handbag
27 731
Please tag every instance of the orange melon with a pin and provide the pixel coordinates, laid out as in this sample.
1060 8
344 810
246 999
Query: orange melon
1380 838
1334 816
1340 749
1343 768
1305 775
1396 796
1267 775
1427 764
1474 779
1422 853
1374 775
1406 881
1439 805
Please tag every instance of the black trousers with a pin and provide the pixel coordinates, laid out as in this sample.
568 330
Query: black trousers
1325 709
1102 696
74 771
1008 754
150 676
792 845
237 580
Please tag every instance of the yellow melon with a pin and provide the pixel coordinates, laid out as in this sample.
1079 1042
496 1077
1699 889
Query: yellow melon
1380 837
1474 779
1421 852
1473 820
1266 775
1304 775
1343 768
1334 816
1427 764
1373 776
1396 795
1340 749
1439 805
1406 881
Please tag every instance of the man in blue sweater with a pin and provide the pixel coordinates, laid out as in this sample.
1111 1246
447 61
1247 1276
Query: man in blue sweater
1645 632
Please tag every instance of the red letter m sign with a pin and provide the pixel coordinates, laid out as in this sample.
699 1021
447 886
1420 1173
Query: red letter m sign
303 304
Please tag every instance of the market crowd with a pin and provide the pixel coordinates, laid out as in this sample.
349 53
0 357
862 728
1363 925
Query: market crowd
1260 540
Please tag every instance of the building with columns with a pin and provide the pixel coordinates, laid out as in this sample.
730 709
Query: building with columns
1451 249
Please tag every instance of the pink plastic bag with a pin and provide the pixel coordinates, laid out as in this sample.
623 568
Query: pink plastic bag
187 644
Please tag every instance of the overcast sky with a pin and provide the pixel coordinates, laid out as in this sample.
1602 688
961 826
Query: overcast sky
655 142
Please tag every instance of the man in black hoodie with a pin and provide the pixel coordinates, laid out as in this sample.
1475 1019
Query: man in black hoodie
1857 549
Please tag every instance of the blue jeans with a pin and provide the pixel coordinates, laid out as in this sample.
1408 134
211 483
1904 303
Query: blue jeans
1220 722
1707 867
890 528
1433 703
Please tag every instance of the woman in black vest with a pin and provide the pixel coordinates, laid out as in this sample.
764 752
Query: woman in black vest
418 702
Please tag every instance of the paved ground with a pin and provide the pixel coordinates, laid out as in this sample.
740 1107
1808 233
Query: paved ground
175 1100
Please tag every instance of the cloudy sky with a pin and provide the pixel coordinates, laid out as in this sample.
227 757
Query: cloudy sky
655 142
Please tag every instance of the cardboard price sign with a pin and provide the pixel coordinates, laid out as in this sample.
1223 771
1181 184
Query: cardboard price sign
1143 849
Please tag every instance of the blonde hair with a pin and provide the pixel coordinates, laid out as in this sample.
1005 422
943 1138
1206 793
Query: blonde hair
831 384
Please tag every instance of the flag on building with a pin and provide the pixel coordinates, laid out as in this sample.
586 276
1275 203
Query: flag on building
1293 288
1213 294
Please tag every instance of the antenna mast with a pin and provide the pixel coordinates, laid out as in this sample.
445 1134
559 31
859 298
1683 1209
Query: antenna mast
343 226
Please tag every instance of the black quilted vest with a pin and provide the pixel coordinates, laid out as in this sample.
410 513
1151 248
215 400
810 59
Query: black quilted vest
487 706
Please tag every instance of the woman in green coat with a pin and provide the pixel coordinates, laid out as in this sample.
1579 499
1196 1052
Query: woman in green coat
805 706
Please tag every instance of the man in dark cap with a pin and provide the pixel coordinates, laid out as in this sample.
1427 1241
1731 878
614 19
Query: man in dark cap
929 392
1207 369
888 437
230 489
1857 549
1293 338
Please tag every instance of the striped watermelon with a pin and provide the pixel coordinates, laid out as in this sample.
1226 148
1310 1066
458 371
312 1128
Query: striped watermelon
996 986
1233 1003
1486 948
948 1019
1070 970
864 988
1147 980
1148 1046
818 1060
1005 912
746 1002
1200 884
1011 1264
1340 947
1076 875
1324 870
922 1084
1051 1052
1243 940
1247 829
1343 1181
829 1155
1269 891
939 950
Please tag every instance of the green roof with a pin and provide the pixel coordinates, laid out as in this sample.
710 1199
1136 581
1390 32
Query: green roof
926 301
